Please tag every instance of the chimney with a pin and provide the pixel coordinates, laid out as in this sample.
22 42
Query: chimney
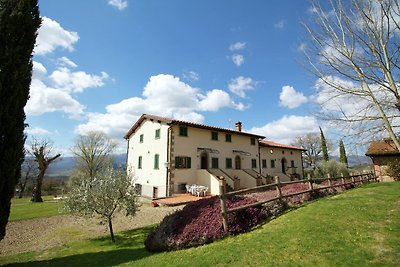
238 126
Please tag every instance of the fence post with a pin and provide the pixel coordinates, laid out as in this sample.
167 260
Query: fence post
278 187
223 203
330 181
310 186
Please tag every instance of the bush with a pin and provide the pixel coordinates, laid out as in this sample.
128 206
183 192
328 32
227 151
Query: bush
200 222
333 167
393 169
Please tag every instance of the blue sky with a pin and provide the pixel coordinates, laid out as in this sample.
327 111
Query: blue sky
100 64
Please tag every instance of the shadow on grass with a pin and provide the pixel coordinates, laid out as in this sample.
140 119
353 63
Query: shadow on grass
104 258
128 247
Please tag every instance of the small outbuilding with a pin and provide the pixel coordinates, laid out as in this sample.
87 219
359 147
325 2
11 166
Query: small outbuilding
382 152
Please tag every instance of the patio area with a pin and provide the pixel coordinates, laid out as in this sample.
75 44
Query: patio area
179 199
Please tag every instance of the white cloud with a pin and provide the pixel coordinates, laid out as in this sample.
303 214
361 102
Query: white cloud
240 85
163 95
119 4
38 70
302 47
51 36
66 62
237 59
37 131
237 46
191 76
290 98
280 24
287 128
63 78
45 99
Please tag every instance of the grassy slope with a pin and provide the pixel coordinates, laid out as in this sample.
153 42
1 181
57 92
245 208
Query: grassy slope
23 208
358 228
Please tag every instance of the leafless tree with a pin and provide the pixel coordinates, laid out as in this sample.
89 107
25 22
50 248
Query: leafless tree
92 153
354 52
29 172
42 150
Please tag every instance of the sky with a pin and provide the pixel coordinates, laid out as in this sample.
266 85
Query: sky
100 64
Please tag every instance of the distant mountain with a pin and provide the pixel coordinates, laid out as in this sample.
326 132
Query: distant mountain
65 165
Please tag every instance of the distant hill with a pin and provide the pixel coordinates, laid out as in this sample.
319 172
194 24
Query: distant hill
65 165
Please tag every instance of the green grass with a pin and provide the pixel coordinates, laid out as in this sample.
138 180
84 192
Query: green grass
358 228
24 209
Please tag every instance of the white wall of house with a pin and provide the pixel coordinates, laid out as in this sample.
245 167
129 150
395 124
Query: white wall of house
152 179
197 138
277 154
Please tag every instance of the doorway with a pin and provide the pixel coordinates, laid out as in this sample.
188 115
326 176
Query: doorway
238 163
204 160
284 165
155 192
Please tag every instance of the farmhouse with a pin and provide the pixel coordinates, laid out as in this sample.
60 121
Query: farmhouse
167 154
382 152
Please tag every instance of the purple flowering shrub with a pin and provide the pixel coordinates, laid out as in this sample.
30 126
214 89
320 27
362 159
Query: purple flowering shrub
200 222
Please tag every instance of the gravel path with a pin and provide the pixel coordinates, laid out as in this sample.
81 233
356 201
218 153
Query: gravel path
44 233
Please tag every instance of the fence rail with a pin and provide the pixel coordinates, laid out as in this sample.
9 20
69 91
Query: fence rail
354 180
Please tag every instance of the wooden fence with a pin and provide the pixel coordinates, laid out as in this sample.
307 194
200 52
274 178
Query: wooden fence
332 183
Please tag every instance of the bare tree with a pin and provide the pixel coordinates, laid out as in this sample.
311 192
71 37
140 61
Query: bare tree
311 142
29 171
92 153
354 53
41 149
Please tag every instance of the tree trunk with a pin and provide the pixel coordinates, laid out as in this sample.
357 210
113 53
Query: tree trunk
37 197
111 230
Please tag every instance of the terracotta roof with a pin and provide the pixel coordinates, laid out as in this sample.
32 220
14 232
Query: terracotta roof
185 123
382 148
266 143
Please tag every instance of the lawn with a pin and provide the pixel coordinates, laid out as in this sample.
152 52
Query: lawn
360 227
23 208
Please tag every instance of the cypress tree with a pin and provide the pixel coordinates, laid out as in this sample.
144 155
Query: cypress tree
19 22
342 150
325 156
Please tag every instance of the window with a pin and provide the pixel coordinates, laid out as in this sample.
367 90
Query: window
253 141
141 138
292 163
156 161
157 134
139 162
228 163
214 163
183 131
253 163
183 162
214 136
264 163
228 138
272 163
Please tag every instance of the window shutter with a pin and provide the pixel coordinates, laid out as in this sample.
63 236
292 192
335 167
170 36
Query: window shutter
189 162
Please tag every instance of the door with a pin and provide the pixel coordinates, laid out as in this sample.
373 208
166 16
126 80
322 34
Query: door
155 192
284 164
204 160
238 163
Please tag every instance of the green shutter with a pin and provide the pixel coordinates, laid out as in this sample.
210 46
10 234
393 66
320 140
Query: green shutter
177 162
188 162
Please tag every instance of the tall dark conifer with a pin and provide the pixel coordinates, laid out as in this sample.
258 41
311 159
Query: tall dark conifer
343 156
19 23
324 148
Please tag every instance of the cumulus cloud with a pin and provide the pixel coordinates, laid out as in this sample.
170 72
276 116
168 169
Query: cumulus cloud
37 131
163 95
237 46
240 85
66 62
118 4
65 79
51 36
290 98
46 99
237 59
287 128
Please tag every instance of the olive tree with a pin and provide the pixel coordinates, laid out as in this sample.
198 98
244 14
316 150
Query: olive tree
353 50
111 190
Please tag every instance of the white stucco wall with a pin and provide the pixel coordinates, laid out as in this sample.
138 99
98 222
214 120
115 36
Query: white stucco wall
277 154
147 176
